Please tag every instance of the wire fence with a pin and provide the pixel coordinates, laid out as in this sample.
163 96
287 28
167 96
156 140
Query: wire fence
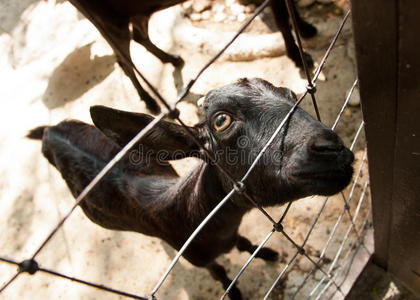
331 272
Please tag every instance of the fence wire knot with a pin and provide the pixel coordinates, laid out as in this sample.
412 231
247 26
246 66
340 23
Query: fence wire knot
173 113
239 187
278 227
29 265
311 88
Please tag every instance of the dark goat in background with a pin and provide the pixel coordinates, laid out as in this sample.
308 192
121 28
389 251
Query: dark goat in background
143 193
113 17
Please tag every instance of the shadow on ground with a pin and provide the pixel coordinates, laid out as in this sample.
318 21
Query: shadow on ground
76 75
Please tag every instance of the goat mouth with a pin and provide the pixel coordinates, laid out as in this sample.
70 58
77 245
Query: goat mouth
335 173
327 182
323 175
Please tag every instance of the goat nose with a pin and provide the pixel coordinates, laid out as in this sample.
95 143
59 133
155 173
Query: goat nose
328 143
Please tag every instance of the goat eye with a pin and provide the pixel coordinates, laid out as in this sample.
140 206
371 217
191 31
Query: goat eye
222 122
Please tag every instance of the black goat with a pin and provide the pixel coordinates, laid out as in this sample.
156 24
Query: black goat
113 17
143 193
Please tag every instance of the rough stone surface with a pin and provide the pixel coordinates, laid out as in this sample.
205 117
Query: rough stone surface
201 5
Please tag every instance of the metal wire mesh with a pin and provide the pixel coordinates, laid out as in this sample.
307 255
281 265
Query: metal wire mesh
330 273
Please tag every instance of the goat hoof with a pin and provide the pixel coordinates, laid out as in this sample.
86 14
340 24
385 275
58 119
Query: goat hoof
235 294
177 61
153 108
268 254
307 30
307 58
151 103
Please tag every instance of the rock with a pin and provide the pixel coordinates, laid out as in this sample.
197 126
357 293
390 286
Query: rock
237 9
355 97
219 17
218 8
232 18
205 15
187 4
247 47
325 1
249 9
201 5
241 17
195 17
305 3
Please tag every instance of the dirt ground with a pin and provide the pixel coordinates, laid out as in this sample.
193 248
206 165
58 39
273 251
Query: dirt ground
54 65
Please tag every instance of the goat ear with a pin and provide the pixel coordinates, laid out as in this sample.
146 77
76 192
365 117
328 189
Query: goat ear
287 93
169 139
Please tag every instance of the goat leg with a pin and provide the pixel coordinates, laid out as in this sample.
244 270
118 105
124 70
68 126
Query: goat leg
281 17
141 35
306 30
265 253
151 104
114 28
219 274
124 47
